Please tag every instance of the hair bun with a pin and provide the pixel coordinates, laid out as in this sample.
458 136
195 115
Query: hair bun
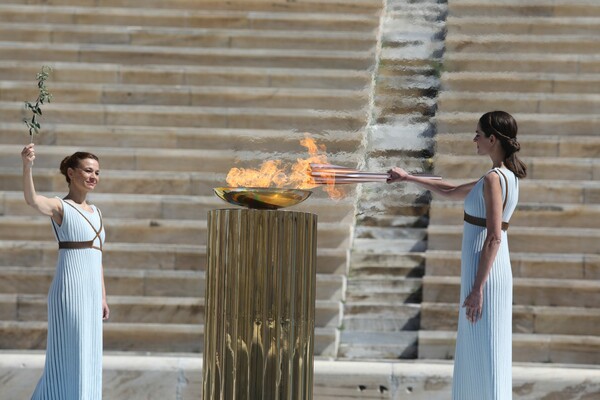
64 166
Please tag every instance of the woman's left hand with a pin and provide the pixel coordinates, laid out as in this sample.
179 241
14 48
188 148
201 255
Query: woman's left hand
105 310
474 305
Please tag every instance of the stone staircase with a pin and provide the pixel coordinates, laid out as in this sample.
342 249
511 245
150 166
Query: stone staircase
170 95
384 290
537 61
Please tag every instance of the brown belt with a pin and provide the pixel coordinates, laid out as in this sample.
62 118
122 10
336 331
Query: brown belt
78 245
481 221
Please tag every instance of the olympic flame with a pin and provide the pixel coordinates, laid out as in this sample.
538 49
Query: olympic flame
275 173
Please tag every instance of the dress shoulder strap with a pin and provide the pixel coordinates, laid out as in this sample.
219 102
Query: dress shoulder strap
500 173
96 231
505 185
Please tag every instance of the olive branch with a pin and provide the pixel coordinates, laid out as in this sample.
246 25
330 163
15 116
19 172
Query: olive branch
36 109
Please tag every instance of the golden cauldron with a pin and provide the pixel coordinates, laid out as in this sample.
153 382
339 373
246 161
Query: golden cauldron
262 198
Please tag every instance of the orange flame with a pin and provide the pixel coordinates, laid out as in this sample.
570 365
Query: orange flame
273 173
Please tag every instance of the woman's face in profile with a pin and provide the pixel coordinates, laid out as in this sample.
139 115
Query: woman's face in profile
484 144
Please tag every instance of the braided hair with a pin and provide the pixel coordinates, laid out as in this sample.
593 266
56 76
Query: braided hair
504 127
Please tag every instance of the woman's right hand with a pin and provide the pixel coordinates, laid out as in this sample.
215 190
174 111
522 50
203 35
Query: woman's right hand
28 155
397 174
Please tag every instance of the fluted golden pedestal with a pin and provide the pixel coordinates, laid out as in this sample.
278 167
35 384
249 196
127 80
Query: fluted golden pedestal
260 305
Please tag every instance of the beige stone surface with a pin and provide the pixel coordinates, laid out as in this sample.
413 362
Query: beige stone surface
555 44
545 124
534 240
527 291
558 266
134 377
527 214
534 25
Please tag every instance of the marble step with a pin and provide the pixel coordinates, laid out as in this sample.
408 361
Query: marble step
531 124
189 19
531 145
191 96
368 259
524 265
526 239
516 8
526 291
143 282
240 140
519 63
139 337
306 120
378 345
388 290
500 41
190 75
389 240
378 265
526 319
169 207
129 230
167 55
526 82
536 348
321 6
138 309
524 25
545 103
137 377
527 215
381 317
187 37
539 168
143 256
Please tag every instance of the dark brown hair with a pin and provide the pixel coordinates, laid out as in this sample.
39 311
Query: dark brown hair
504 127
73 161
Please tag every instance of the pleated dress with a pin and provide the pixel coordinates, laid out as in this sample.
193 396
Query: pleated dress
73 367
483 357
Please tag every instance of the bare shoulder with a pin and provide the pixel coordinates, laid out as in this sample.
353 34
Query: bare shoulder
491 178
491 186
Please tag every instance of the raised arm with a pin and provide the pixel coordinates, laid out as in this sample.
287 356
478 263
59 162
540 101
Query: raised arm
441 187
44 205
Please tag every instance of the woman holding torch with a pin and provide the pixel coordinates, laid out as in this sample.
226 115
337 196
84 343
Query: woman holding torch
483 357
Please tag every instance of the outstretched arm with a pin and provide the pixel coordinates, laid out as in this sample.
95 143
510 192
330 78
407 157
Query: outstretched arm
441 187
44 205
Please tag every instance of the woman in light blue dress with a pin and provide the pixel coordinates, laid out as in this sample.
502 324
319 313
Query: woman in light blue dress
77 298
483 357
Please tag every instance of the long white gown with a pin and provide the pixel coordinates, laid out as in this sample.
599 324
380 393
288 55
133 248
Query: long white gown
483 357
73 367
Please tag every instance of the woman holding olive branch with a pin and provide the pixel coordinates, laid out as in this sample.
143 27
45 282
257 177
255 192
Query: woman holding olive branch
77 298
